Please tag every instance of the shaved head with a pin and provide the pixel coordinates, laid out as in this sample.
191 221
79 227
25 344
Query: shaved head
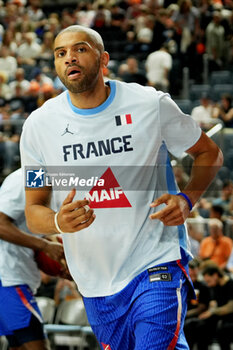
91 34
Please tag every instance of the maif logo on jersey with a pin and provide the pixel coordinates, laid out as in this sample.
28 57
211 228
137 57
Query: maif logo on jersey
110 195
35 178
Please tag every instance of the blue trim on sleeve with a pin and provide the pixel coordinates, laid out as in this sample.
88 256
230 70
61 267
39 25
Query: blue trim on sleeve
103 106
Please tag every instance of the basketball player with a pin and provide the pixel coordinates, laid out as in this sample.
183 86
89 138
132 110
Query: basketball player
20 319
129 258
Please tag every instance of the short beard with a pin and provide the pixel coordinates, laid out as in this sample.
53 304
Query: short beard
84 84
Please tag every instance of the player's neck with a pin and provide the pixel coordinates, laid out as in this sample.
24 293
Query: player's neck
91 98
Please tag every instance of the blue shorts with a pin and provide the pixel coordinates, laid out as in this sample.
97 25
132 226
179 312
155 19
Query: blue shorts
17 305
147 314
33 332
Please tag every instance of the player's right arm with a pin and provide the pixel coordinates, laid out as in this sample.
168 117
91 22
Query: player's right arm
72 215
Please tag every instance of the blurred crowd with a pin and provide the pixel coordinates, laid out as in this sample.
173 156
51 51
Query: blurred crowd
159 38
209 318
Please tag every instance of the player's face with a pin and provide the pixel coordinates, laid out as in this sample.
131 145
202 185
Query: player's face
77 61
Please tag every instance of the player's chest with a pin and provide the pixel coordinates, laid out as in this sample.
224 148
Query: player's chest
113 138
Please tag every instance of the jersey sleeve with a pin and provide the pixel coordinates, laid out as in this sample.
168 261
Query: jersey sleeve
12 195
29 152
178 130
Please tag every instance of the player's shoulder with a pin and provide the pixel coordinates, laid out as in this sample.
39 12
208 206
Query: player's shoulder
137 91
133 86
53 104
47 110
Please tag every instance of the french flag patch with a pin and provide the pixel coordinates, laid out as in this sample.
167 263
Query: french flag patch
123 119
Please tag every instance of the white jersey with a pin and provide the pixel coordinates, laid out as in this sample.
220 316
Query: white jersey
17 264
125 140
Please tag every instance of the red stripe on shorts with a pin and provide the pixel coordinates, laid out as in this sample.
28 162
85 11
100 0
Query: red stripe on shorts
27 304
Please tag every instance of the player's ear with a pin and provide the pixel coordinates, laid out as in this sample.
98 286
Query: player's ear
104 59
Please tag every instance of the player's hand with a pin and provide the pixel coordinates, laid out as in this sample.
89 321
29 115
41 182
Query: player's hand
75 215
176 210
54 250
65 273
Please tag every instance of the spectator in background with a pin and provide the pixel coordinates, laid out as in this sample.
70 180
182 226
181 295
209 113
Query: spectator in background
8 63
10 15
67 17
47 46
145 34
206 9
31 98
216 247
203 113
9 141
19 82
40 77
220 307
215 41
102 18
35 11
132 73
226 196
158 65
186 23
204 206
53 25
24 25
122 70
196 230
84 13
140 19
65 290
197 306
224 111
201 303
47 286
9 40
29 50
5 91
46 92
163 29
131 44
217 212
17 115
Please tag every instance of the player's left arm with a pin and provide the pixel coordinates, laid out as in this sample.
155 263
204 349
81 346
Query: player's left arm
208 158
